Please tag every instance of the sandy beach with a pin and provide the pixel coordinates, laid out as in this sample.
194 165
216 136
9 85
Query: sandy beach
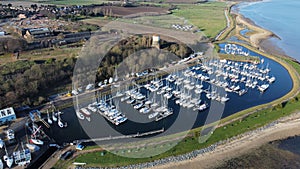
286 127
261 38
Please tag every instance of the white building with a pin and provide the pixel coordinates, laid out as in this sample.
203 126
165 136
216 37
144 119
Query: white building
7 115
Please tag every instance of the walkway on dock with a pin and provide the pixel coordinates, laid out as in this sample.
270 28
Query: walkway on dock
120 137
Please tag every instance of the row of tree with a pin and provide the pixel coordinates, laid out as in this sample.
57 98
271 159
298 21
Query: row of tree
32 82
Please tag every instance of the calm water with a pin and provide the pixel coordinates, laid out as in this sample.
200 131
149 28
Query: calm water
182 119
291 144
280 17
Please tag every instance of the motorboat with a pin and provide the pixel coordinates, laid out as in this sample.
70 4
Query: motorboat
1 143
32 147
36 141
153 115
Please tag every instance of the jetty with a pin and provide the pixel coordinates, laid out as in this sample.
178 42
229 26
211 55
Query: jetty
120 137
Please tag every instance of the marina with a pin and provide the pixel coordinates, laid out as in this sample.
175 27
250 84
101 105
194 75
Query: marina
183 95
154 105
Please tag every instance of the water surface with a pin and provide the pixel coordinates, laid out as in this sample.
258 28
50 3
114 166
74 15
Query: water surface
280 17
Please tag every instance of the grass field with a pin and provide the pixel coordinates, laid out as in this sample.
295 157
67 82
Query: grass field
209 17
162 21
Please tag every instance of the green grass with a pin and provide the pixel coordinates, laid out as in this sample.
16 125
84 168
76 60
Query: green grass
209 17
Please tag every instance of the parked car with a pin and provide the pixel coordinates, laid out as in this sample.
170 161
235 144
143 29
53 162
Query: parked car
79 146
66 155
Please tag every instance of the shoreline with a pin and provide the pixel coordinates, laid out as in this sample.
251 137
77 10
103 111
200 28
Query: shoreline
285 128
263 38
280 130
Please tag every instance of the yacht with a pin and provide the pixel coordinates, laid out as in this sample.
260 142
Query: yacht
48 118
79 115
153 115
263 87
144 110
54 118
138 106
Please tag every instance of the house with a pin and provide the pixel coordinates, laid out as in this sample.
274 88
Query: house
36 33
7 115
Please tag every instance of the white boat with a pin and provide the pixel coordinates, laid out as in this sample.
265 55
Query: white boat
79 115
1 143
36 141
153 115
9 160
130 101
138 106
145 110
33 147
10 134
1 164
125 98
263 87
272 79
60 123
54 118
48 118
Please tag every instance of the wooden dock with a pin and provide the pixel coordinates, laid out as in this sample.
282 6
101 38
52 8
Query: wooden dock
120 137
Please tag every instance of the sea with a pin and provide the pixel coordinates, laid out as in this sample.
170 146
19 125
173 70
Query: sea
279 16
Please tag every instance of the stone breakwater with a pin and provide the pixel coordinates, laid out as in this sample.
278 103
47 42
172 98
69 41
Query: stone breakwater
187 156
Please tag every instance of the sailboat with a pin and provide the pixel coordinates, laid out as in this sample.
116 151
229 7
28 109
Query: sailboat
34 140
54 118
60 122
48 118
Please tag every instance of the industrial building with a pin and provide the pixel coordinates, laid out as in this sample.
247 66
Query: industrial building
7 115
